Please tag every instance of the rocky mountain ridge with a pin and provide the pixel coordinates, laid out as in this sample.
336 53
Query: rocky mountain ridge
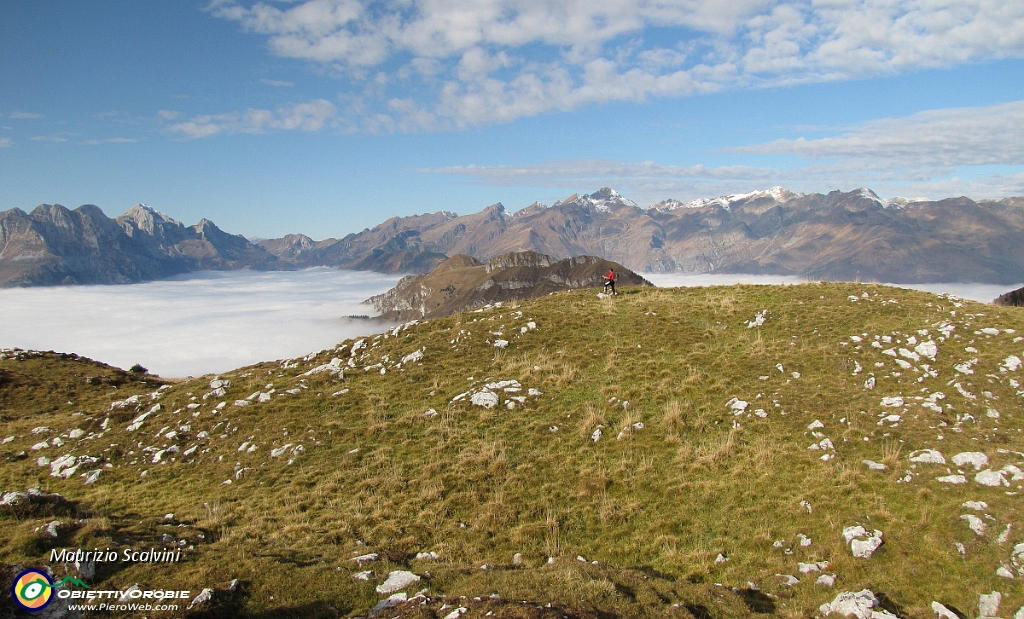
463 282
849 236
839 236
54 245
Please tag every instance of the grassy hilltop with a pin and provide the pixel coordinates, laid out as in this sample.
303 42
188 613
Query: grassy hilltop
666 453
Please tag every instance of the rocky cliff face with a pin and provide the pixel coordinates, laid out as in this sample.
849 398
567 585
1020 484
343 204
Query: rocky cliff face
55 245
463 282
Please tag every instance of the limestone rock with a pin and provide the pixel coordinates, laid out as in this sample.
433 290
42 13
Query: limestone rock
396 581
862 544
973 458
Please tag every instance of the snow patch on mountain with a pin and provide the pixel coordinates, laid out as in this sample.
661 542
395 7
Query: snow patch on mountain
600 201
779 194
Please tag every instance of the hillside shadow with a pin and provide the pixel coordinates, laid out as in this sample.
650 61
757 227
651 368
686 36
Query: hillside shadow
886 603
229 601
699 611
756 601
313 610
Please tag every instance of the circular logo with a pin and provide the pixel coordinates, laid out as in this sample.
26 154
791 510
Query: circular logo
32 590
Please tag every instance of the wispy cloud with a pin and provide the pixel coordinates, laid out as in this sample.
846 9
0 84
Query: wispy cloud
313 115
24 116
6 142
962 151
56 138
644 182
112 141
277 83
971 136
489 61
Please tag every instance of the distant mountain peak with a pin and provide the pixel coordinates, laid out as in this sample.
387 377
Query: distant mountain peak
146 218
533 209
779 194
601 200
899 201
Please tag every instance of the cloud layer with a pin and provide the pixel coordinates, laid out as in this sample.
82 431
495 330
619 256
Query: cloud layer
920 154
472 62
205 323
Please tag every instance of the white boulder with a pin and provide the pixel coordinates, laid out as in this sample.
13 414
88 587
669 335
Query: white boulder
487 399
976 524
988 604
988 477
974 458
396 581
858 604
862 544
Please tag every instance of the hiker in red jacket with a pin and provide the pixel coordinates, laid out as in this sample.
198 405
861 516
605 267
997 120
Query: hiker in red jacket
609 281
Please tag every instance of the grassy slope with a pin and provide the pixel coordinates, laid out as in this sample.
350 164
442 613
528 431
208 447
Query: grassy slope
654 508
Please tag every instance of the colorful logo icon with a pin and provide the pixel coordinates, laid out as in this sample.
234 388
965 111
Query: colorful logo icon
32 590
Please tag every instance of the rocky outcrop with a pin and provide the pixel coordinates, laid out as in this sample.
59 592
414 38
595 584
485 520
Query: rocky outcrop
463 282
1014 298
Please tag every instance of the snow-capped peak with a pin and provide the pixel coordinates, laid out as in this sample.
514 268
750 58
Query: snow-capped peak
536 207
866 193
894 203
601 200
903 202
779 194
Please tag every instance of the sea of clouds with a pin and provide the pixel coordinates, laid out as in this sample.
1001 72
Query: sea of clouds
196 324
213 322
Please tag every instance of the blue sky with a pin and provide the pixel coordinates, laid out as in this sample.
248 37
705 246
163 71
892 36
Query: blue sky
328 116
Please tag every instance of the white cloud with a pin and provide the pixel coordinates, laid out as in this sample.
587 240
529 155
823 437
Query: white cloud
204 323
486 61
24 116
977 152
311 116
949 137
6 142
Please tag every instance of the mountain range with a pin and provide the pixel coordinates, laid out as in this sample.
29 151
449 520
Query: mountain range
852 236
53 245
